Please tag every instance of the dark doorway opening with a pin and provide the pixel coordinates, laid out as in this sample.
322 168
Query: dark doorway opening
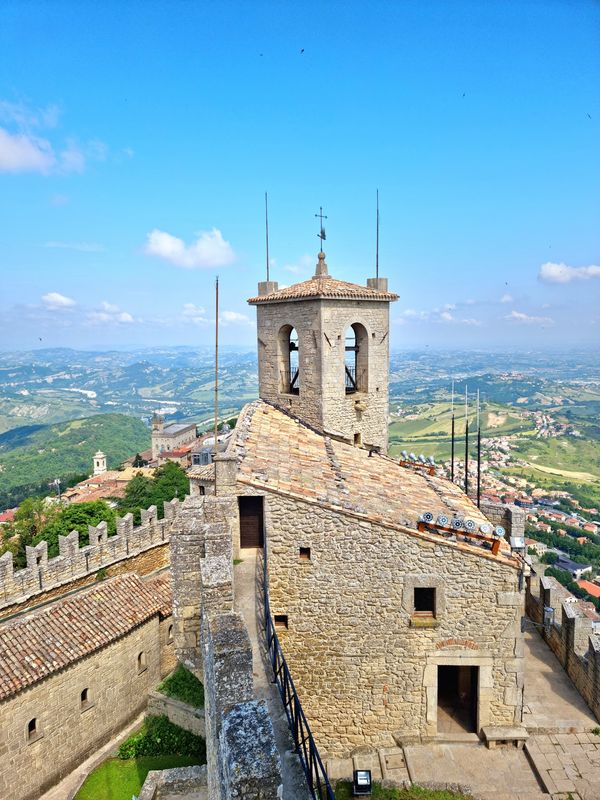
457 699
251 521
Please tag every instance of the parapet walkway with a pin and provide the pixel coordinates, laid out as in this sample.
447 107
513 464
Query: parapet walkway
247 578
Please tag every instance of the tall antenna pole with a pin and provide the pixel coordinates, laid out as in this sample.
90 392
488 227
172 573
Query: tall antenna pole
452 440
216 361
267 232
478 454
377 241
466 440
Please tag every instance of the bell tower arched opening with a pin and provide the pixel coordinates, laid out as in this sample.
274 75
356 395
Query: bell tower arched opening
356 361
289 361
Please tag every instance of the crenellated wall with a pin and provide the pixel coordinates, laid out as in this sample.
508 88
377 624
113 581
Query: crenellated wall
570 637
141 548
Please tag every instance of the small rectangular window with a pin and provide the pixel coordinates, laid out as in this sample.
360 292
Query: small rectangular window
425 601
358 439
281 621
305 554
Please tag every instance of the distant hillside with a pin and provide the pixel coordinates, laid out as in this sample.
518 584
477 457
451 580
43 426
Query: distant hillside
32 455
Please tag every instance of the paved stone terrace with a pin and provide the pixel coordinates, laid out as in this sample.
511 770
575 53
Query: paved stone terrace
551 703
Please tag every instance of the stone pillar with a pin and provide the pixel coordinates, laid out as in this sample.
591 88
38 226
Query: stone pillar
187 550
379 284
267 287
225 474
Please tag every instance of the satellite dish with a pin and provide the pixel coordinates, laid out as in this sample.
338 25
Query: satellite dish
443 520
470 525
413 457
485 528
404 455
457 523
427 516
499 530
422 459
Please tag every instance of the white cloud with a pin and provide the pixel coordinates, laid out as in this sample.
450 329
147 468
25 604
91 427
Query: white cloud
507 298
26 117
303 265
194 314
72 158
562 273
55 301
526 319
81 247
110 314
446 316
208 250
440 316
23 153
233 317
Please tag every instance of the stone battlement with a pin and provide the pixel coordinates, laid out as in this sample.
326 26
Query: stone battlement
571 637
43 575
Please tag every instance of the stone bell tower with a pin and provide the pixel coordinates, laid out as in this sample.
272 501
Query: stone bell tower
323 354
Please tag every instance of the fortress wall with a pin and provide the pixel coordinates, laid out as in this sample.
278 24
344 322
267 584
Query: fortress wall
68 733
512 518
142 549
364 671
242 757
570 638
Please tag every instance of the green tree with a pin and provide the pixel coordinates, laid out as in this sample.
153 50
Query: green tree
33 515
549 557
77 517
169 481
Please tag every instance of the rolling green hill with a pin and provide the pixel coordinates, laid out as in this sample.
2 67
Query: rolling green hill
32 455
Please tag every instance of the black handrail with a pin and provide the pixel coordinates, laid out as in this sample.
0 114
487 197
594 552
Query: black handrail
314 771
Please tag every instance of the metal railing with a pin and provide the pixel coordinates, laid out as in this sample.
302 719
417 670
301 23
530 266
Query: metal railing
354 379
314 771
290 381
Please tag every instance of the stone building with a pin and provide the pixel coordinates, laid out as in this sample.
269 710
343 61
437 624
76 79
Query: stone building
171 437
397 605
66 689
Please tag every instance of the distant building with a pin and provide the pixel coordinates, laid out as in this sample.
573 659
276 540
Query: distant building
539 547
171 437
99 463
590 588
574 567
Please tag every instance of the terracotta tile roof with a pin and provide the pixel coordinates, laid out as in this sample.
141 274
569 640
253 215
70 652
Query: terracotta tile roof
326 287
42 642
277 452
163 591
205 472
590 588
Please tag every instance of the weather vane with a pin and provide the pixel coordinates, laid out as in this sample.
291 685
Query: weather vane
321 234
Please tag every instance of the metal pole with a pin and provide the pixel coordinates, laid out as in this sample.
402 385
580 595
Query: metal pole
377 246
466 440
452 444
216 361
267 232
479 467
478 454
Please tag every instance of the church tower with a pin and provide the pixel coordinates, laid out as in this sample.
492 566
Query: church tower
323 354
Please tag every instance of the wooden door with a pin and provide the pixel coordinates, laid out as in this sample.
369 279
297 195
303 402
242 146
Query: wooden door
251 521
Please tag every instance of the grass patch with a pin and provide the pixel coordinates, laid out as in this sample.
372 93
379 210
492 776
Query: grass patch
237 561
158 736
116 779
183 685
343 791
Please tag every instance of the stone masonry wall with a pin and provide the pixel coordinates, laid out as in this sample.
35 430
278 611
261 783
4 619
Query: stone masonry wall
187 717
570 638
322 402
142 548
364 674
512 518
69 734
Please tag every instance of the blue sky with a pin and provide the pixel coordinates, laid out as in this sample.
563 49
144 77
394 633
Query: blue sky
137 140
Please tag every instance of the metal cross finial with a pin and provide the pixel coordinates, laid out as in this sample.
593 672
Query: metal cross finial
321 235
